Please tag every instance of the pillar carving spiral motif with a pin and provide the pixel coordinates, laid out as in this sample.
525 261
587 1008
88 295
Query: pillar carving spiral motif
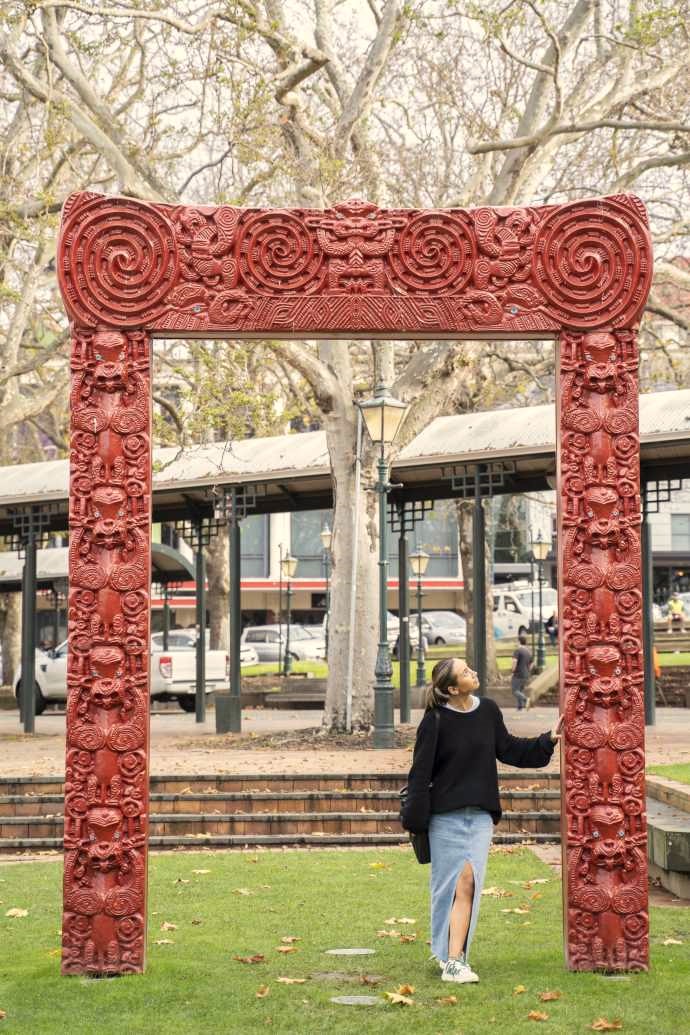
106 783
602 676
129 269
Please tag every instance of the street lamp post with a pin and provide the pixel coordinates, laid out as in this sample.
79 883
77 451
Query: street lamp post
540 548
326 539
383 416
418 562
288 568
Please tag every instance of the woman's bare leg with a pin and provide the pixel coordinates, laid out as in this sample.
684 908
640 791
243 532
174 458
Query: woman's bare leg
460 912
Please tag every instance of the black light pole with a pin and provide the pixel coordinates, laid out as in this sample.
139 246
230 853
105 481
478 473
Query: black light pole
383 416
541 549
531 587
326 539
418 562
289 566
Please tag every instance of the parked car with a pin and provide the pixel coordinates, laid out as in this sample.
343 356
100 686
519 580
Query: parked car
440 627
51 677
513 612
270 641
185 639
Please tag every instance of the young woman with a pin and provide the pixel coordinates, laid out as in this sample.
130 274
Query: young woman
453 793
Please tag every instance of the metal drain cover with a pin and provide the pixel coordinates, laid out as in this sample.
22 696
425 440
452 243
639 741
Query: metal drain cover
356 1000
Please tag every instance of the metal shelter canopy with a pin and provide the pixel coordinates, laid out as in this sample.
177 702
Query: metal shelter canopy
167 565
295 475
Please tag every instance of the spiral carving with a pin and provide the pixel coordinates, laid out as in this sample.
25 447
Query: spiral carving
119 261
592 261
435 253
278 253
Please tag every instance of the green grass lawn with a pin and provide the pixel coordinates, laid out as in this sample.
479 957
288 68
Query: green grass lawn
319 669
326 899
680 771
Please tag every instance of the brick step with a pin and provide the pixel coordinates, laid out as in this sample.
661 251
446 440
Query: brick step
251 823
179 783
269 801
20 844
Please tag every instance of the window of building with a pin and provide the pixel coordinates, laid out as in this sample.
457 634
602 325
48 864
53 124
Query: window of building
437 535
680 532
305 544
254 546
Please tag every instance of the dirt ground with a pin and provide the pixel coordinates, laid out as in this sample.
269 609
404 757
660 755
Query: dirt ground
274 741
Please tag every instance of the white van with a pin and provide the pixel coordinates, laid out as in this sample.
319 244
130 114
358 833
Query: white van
513 607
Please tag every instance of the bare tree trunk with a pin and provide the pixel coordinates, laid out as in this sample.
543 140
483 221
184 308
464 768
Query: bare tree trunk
464 508
10 634
218 593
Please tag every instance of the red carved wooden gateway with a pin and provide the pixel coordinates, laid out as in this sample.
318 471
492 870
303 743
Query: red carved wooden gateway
578 272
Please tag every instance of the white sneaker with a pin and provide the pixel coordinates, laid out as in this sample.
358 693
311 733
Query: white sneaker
459 972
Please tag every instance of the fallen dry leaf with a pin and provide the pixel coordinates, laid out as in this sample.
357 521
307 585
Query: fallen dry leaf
405 920
366 979
379 866
548 997
262 991
519 989
408 937
672 941
165 926
448 1000
242 891
405 990
291 981
388 934
197 923
163 941
286 948
602 1024
181 880
400 1000
201 871
17 912
256 958
289 939
495 892
537 1015
2 1015
517 909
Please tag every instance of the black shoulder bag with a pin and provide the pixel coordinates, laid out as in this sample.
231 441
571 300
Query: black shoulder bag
420 842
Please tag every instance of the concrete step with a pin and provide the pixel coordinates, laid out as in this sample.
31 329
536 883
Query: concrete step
44 844
270 801
252 823
180 783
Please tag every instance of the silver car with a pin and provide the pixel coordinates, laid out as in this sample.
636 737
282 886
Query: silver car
269 642
441 627
185 639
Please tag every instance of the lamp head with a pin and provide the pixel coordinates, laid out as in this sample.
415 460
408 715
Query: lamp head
288 565
418 562
540 547
383 415
326 537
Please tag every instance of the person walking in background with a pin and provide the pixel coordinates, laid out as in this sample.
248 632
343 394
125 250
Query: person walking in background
522 663
676 613
551 626
453 794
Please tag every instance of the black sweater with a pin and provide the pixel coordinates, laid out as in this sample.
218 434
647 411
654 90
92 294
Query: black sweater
463 770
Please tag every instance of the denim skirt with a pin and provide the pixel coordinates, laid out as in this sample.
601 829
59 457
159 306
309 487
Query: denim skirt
457 837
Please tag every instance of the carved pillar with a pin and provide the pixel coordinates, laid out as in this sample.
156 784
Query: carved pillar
106 784
600 581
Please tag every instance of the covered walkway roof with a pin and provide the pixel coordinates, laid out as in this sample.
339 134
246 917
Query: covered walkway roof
295 475
167 565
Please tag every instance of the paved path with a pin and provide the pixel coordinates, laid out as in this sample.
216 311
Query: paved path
178 744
